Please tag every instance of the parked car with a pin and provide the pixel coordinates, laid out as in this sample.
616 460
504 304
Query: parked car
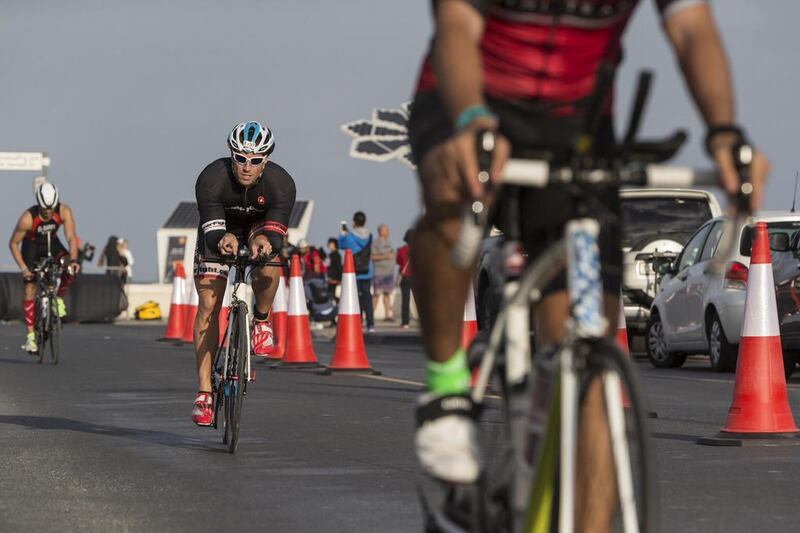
656 221
699 309
653 221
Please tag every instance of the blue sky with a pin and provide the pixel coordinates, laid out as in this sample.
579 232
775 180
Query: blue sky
133 99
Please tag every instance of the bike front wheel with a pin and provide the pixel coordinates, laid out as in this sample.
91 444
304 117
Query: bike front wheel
55 338
237 376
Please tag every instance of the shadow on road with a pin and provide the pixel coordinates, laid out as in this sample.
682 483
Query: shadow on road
27 360
140 435
675 436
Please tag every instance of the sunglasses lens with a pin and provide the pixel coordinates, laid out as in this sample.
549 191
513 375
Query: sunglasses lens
256 160
240 159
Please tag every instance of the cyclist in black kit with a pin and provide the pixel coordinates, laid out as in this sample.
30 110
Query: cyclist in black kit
243 199
35 237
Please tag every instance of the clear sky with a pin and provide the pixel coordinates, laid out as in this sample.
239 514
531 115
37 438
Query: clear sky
133 99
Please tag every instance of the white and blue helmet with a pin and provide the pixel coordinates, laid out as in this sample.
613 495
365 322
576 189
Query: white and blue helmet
47 195
251 138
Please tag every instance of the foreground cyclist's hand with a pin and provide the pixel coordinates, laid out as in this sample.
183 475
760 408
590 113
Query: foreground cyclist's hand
446 440
729 177
73 268
27 275
260 247
456 160
228 244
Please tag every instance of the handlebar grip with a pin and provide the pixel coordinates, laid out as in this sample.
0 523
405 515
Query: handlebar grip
475 216
742 158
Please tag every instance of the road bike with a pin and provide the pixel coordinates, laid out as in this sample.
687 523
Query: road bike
529 431
232 367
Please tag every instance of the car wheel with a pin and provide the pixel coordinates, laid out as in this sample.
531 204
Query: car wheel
656 345
790 360
721 353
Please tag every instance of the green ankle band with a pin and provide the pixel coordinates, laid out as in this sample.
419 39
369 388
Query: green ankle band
450 377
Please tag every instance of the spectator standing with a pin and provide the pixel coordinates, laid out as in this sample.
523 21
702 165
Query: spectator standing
127 258
111 259
310 261
404 266
383 257
334 267
359 241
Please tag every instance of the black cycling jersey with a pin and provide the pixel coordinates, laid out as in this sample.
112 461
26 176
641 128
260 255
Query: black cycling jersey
226 206
34 245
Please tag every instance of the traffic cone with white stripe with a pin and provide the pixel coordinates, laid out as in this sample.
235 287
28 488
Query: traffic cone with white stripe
177 306
622 329
470 326
299 349
278 319
760 412
225 308
349 353
191 314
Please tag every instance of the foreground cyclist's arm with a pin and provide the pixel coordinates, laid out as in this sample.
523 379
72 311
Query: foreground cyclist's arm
268 234
71 235
212 214
457 64
699 51
24 224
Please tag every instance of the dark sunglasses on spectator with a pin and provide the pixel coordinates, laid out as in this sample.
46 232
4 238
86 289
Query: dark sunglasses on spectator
241 159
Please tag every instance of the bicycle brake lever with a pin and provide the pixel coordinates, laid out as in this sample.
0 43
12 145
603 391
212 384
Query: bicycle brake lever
475 216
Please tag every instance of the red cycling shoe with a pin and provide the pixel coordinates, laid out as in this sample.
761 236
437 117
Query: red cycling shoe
261 338
203 411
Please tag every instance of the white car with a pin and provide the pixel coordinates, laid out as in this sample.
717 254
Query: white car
699 310
656 220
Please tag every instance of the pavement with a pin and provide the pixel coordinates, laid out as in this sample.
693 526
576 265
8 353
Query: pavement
103 442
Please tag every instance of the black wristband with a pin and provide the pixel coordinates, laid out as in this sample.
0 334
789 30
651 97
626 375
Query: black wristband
722 129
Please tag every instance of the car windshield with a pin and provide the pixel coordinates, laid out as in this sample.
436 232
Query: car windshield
789 227
646 219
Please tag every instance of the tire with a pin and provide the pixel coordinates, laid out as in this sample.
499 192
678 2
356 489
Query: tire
790 360
721 353
225 387
656 346
40 328
239 381
55 337
606 359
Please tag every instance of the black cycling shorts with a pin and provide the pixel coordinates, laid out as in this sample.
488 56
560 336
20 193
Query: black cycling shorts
32 252
542 212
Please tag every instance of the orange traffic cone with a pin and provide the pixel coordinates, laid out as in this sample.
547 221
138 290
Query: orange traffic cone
299 350
191 313
177 306
470 327
349 353
622 329
278 318
225 308
759 413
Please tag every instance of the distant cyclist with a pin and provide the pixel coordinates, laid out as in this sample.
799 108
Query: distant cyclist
526 69
244 200
36 228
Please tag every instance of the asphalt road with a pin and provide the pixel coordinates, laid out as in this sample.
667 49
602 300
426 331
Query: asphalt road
103 442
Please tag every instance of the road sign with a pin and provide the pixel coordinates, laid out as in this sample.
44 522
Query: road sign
24 161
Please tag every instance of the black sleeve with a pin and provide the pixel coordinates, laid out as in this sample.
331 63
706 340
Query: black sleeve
207 190
280 192
667 8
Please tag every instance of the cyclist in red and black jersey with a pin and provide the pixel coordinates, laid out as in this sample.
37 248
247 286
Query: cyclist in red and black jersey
526 69
243 200
37 233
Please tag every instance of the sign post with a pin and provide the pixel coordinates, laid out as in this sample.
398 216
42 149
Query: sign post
27 162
